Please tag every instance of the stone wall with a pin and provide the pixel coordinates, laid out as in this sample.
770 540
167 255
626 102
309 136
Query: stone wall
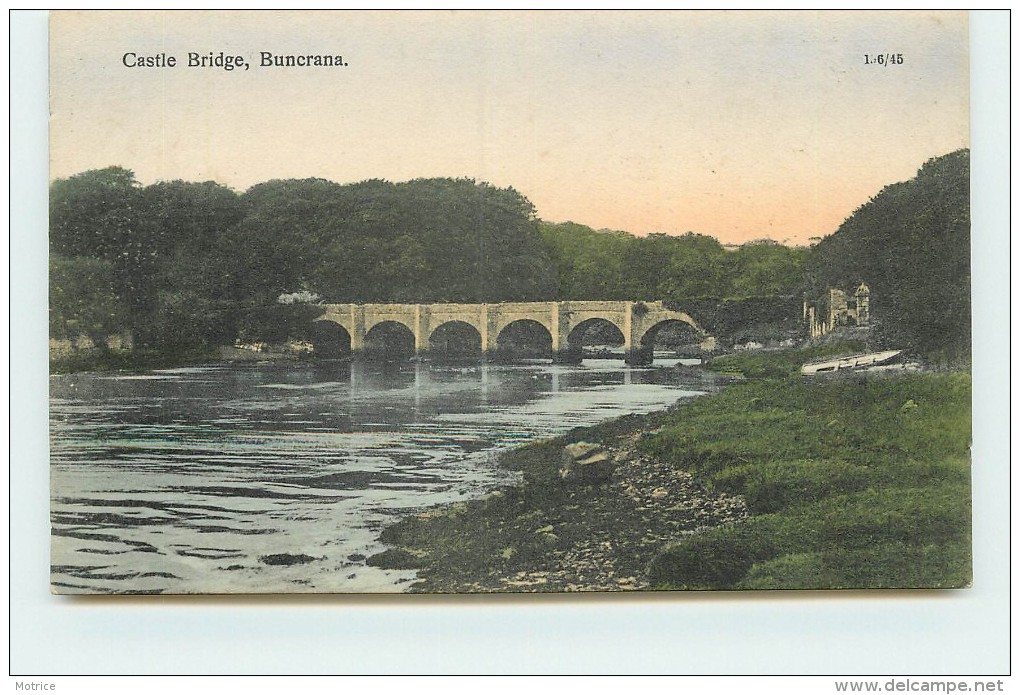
60 347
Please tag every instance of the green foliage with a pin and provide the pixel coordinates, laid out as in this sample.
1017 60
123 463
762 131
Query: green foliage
774 485
186 321
766 268
83 300
195 264
100 214
777 365
667 267
884 566
603 265
715 561
911 244
841 528
738 321
835 471
278 323
179 248
95 213
427 240
589 264
164 247
189 218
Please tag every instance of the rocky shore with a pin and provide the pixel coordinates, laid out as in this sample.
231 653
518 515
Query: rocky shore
855 481
557 532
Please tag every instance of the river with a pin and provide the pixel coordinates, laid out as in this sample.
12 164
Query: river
274 477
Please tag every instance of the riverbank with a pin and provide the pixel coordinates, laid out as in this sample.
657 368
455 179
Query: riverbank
140 360
778 482
127 360
546 536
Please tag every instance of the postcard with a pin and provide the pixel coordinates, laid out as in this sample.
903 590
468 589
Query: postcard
517 301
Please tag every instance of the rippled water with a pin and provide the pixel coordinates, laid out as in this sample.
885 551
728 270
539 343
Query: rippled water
279 478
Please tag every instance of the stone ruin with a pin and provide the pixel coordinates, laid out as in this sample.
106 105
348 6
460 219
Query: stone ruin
837 310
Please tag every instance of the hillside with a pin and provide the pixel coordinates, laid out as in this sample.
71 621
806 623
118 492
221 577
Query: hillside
911 245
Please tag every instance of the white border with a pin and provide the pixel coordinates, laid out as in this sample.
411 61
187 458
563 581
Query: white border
960 632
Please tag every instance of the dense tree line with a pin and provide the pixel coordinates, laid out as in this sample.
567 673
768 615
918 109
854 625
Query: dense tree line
617 265
186 265
911 245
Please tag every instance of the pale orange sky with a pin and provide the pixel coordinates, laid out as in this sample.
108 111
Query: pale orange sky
740 125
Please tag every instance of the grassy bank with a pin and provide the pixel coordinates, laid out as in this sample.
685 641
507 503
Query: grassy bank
778 482
851 482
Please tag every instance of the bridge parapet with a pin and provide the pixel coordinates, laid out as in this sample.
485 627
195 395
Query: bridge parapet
595 306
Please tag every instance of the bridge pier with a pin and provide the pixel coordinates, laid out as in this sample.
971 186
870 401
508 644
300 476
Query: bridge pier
641 356
569 355
421 331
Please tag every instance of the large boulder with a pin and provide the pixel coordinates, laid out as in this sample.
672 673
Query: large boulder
586 464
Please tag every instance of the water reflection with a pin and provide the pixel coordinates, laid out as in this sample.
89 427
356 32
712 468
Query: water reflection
269 478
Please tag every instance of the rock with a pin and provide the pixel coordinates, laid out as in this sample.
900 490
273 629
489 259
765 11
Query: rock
395 559
286 559
586 463
580 450
625 456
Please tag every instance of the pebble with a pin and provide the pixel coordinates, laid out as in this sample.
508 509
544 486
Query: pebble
647 504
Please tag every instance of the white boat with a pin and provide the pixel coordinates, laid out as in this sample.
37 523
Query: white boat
861 361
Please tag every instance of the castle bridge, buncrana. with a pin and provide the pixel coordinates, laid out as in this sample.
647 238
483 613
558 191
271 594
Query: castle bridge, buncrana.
556 328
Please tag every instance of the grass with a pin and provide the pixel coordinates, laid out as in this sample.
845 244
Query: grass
854 482
779 365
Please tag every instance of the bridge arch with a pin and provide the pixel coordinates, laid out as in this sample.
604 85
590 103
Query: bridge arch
674 326
596 331
390 340
372 323
505 321
456 339
525 338
330 340
677 334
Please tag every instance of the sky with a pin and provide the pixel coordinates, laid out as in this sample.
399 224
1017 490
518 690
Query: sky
740 125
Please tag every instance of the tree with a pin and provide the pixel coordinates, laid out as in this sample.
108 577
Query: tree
99 214
95 213
589 263
481 243
192 264
765 268
695 267
189 217
911 245
83 300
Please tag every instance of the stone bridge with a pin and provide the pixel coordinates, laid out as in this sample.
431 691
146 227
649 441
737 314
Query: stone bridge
487 325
